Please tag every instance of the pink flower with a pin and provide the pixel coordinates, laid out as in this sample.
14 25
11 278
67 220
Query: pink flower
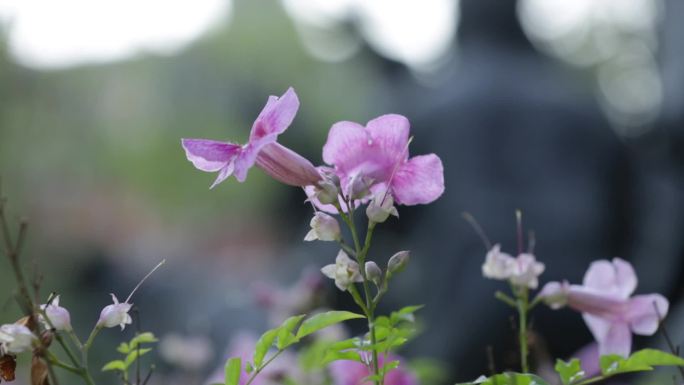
262 148
375 158
347 372
604 300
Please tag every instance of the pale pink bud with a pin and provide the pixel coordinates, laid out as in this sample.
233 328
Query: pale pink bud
359 186
373 272
115 314
15 338
345 271
498 265
526 271
381 207
323 227
59 317
287 166
398 262
555 294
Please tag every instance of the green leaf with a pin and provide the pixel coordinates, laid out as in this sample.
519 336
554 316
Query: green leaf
569 371
405 314
263 344
511 378
323 320
248 367
350 355
142 338
123 348
134 355
115 365
654 357
233 368
285 332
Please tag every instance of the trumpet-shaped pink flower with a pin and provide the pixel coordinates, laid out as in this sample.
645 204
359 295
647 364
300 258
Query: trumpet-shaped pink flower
376 157
262 148
608 310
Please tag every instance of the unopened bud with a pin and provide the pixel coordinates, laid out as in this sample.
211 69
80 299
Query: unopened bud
323 227
327 192
58 316
398 262
381 207
373 272
359 186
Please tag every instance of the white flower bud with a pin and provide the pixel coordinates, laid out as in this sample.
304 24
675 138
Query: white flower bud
398 262
15 338
345 271
327 192
115 314
373 272
526 271
59 317
323 227
381 207
555 294
498 265
359 186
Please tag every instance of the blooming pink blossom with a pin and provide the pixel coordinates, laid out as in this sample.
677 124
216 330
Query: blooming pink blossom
523 270
346 372
262 148
608 310
375 158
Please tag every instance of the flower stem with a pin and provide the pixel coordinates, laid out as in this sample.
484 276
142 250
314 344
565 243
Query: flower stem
522 330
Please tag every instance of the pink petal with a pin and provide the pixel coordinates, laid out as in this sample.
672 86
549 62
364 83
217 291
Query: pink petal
287 166
642 315
419 181
209 155
223 174
595 302
390 134
345 147
618 340
276 116
616 278
248 156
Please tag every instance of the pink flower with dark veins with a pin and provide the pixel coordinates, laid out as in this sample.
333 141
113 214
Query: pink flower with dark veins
375 158
262 149
608 310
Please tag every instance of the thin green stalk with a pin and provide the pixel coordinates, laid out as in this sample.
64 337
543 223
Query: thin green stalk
258 370
590 380
522 331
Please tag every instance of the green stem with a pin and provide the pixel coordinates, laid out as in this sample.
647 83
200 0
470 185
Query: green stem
522 330
258 370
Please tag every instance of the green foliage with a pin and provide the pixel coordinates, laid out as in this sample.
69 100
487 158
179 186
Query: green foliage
233 369
569 371
291 331
131 352
509 378
394 331
643 360
323 320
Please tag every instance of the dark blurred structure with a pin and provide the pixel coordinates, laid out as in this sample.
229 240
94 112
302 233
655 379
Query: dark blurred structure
518 131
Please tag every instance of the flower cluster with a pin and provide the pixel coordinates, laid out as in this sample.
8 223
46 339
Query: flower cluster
362 159
523 270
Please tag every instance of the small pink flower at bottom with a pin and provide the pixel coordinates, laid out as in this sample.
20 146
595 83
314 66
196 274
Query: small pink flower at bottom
347 372
262 149
607 308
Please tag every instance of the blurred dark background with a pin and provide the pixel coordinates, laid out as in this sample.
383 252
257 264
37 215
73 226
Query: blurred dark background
572 112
